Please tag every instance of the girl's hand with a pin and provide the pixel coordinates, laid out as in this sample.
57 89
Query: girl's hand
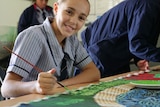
46 82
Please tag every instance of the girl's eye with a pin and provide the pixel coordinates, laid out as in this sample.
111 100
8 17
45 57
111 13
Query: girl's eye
69 12
82 18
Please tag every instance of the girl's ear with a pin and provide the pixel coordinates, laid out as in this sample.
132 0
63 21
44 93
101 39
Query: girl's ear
55 8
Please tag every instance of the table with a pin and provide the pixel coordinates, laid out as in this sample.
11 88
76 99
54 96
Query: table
31 97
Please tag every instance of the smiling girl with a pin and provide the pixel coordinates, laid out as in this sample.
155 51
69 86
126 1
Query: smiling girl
45 46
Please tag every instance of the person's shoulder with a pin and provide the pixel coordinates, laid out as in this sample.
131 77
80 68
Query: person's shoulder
33 29
36 28
30 8
35 32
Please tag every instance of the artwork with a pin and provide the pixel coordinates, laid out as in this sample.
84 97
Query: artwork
77 98
118 92
140 97
141 92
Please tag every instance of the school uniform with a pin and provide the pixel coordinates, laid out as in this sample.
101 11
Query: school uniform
39 46
33 15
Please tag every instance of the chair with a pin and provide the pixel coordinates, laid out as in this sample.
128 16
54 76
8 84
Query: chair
8 35
2 75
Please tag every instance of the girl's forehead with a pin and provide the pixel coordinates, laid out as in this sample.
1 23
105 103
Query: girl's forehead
79 5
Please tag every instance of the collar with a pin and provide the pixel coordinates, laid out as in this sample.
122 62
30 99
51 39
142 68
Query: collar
35 6
56 48
47 8
67 48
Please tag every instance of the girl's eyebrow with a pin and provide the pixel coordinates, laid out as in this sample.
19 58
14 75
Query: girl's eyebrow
84 15
75 10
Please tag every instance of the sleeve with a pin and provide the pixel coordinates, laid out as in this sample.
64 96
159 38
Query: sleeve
136 59
144 28
82 57
29 47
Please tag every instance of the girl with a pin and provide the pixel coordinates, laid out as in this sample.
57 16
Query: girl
45 47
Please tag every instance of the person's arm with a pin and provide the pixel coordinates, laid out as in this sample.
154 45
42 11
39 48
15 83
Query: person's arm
89 73
144 32
13 86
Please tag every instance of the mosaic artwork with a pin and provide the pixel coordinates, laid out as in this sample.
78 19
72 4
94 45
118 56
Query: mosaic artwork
77 98
140 98
116 93
148 95
153 75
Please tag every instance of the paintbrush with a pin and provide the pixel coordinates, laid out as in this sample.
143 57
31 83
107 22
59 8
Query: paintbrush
63 86
35 67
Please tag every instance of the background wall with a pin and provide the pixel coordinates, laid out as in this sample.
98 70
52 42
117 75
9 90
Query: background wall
11 10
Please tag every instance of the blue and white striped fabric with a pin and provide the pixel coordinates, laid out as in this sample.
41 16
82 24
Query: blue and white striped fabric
32 45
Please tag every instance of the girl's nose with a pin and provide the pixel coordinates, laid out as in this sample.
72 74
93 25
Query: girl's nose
74 19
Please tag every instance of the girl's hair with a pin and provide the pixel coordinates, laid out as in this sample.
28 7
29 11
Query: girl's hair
59 1
33 1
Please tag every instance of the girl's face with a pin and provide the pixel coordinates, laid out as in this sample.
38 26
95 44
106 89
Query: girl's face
70 16
41 3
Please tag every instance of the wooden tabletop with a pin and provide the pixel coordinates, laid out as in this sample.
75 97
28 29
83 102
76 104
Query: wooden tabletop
31 97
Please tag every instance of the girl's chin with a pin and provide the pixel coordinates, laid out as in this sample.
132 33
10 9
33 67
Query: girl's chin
67 34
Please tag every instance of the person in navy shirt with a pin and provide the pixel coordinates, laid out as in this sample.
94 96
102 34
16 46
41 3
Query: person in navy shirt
34 14
130 30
